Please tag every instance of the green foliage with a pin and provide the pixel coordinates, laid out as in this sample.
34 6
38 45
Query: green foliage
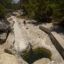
6 3
44 9
4 6
38 9
58 11
2 11
36 54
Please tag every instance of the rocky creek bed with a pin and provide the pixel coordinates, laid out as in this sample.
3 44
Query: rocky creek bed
18 43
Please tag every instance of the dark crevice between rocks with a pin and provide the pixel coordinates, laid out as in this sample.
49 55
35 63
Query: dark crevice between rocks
4 28
3 41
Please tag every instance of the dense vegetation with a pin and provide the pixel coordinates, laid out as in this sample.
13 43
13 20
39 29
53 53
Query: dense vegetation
2 11
41 10
7 6
44 10
4 5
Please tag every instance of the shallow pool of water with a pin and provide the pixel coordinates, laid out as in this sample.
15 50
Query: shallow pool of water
36 54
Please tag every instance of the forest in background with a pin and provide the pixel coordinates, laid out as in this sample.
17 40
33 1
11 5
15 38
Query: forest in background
41 10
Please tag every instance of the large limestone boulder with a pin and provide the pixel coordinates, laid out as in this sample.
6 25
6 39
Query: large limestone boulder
21 44
42 61
8 59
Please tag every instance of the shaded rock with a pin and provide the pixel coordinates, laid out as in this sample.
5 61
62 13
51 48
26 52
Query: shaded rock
8 59
8 44
4 25
3 37
20 60
42 61
5 28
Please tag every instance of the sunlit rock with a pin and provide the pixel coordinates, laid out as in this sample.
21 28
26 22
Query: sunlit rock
42 61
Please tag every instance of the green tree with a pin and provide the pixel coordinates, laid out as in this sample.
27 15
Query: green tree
58 11
4 6
38 9
2 11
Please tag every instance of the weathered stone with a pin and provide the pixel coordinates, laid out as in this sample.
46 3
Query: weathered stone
62 62
3 37
36 36
8 44
42 61
8 59
58 38
4 25
21 40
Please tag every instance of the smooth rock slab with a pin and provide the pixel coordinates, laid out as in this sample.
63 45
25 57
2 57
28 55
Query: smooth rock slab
62 62
58 38
7 59
21 43
42 61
